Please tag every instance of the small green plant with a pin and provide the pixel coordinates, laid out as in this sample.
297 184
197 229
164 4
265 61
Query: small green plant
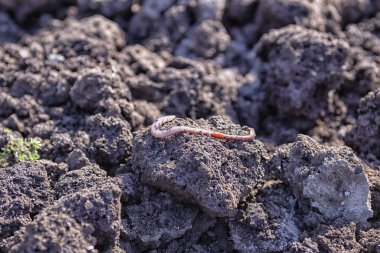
19 150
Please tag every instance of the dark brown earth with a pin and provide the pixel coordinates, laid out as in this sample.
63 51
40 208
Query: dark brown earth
87 78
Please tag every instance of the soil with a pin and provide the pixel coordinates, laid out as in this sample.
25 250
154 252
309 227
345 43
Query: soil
87 78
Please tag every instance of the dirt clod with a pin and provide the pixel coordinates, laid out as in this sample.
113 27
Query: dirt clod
183 165
332 180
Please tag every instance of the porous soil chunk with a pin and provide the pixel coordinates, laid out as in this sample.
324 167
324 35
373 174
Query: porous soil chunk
188 88
365 136
98 207
111 139
212 173
202 225
363 76
141 60
54 170
75 180
374 186
336 237
330 179
55 232
353 11
77 159
365 35
267 223
205 40
370 238
157 220
286 12
25 190
98 28
96 91
7 104
298 68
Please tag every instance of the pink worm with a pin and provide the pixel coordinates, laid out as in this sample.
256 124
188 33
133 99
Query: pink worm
156 132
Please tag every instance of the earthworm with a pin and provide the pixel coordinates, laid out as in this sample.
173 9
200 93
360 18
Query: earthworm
156 132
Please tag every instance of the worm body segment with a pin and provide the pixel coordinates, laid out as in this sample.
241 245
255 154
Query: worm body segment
158 133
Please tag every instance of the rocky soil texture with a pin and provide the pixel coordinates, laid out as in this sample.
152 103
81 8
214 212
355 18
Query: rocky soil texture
87 78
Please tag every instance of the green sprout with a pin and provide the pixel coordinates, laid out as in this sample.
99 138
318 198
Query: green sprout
19 150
